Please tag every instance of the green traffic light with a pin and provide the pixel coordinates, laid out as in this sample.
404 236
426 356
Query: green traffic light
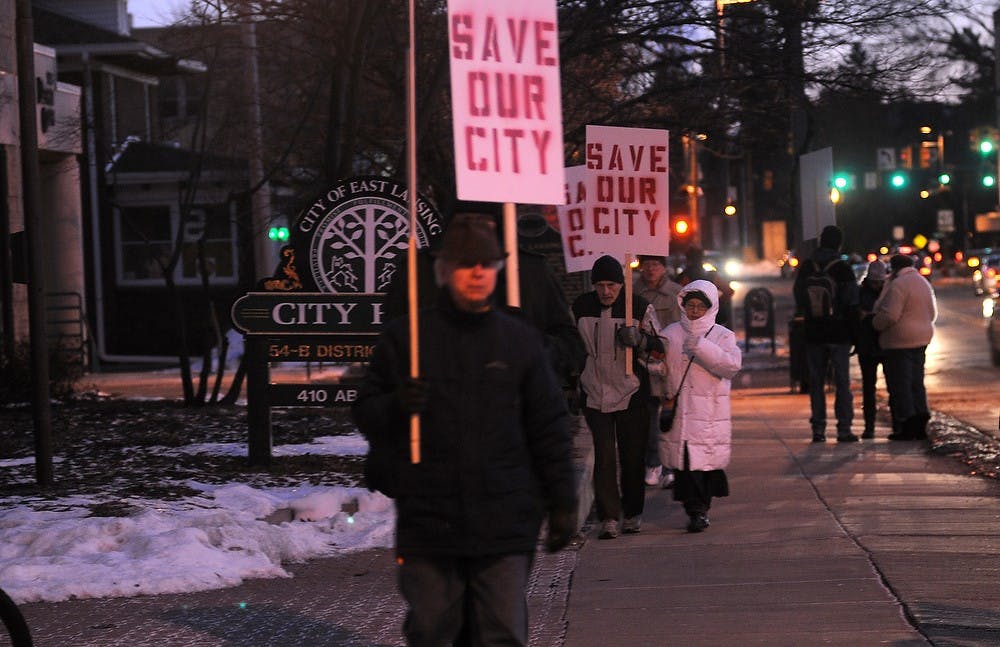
988 181
944 178
986 147
840 182
898 180
278 233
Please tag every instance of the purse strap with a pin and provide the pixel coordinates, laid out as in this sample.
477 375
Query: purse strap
686 369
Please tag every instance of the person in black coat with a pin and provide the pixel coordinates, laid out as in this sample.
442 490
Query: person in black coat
494 451
867 346
543 303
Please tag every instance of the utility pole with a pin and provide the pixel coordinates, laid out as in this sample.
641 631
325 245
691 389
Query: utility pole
996 89
30 180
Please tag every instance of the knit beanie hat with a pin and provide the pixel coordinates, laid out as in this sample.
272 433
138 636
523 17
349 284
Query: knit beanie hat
662 260
876 271
831 237
899 261
607 268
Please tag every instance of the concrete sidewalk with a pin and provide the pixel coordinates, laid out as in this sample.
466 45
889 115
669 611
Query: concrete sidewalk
866 543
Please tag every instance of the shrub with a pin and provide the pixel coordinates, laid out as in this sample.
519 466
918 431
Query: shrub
15 374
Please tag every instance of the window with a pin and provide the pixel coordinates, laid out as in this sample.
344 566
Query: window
180 97
145 237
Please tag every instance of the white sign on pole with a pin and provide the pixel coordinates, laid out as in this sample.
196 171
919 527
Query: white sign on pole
627 195
573 222
505 96
815 173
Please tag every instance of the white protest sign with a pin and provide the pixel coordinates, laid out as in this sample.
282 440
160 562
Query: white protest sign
506 100
627 194
573 218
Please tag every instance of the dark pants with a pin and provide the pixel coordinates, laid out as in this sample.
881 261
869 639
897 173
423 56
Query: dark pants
819 356
695 488
869 379
904 378
619 437
485 594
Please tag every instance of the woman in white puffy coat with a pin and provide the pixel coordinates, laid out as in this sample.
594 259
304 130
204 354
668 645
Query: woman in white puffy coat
699 442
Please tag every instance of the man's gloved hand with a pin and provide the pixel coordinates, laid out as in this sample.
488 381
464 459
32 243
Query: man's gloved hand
631 336
412 395
562 527
690 344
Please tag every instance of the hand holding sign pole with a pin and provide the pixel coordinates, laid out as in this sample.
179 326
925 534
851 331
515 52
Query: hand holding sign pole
411 258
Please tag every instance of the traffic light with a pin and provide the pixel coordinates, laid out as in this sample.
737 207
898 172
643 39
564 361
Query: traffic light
841 181
730 210
988 180
279 234
944 179
897 180
681 227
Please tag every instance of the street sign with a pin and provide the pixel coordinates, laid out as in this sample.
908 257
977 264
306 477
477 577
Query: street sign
311 395
885 159
945 221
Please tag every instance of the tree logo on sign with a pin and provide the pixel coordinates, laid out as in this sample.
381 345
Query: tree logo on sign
357 235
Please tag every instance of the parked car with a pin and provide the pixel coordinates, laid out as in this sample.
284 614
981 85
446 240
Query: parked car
993 328
986 276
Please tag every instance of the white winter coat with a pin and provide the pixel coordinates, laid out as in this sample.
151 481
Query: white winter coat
703 421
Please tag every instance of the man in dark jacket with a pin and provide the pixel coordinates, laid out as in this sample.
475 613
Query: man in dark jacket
494 451
829 336
543 303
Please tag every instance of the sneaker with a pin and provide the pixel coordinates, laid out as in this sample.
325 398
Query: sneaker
609 530
631 525
698 523
668 480
653 475
847 438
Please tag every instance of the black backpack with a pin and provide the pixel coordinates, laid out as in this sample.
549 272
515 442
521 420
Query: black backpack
821 294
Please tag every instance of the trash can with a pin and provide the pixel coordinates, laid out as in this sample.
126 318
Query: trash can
798 368
758 315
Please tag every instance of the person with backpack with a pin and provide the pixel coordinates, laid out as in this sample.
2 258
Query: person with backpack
826 294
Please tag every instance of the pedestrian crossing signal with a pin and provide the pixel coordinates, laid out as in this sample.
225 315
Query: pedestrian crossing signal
279 234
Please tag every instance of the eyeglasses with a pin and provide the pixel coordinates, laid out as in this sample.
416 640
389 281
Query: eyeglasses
488 265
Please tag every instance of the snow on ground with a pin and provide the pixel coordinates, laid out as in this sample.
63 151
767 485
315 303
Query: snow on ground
225 535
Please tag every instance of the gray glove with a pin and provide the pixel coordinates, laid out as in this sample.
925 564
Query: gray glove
631 336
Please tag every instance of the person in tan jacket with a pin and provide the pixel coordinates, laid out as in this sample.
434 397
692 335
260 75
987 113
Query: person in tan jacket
904 316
